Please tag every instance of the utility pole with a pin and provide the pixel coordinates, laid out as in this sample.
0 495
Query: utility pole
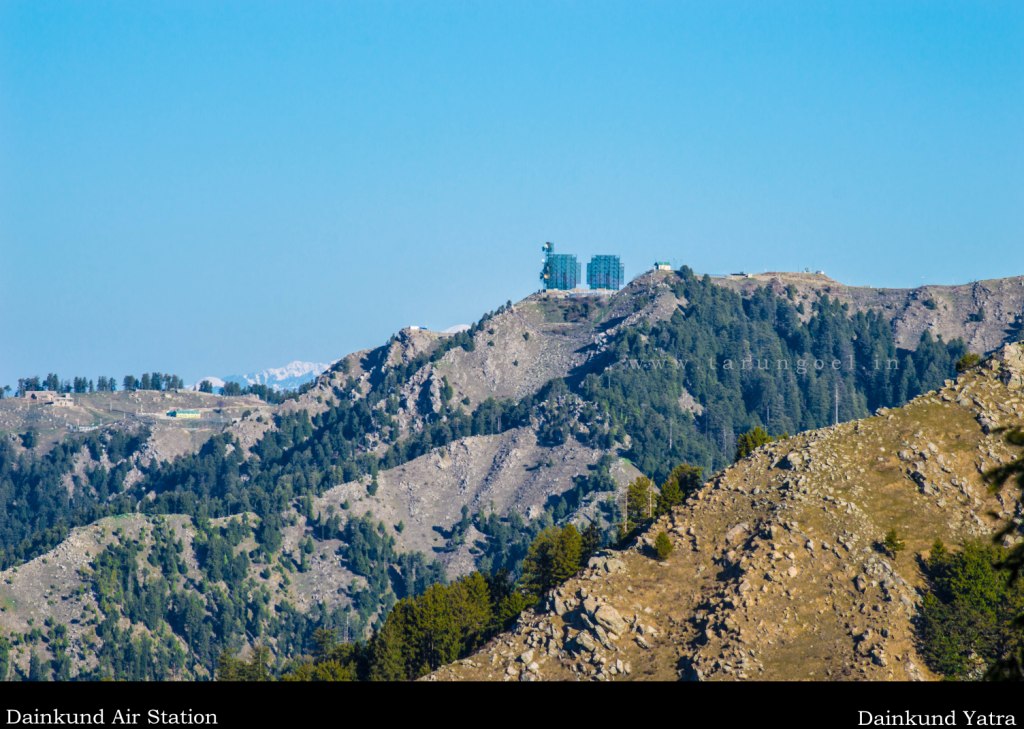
670 424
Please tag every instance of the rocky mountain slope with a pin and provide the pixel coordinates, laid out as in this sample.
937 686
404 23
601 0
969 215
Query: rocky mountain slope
985 314
551 335
776 571
546 336
418 441
499 474
517 351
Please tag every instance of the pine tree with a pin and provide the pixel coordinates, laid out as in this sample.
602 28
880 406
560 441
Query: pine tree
639 503
892 543
553 558
681 482
967 616
36 668
751 441
476 611
389 651
662 546
591 542
1010 665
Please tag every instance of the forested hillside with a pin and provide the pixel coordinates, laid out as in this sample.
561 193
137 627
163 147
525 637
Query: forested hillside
671 370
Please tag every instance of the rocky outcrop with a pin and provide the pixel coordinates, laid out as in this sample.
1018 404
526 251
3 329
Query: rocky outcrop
777 570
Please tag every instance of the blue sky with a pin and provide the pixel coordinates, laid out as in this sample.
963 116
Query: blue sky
207 188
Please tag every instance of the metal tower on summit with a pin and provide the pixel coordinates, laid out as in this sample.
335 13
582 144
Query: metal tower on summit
605 272
561 270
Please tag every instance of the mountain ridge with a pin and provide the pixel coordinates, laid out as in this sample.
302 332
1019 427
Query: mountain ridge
776 572
429 447
984 313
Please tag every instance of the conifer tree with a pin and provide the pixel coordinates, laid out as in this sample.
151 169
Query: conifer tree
751 441
662 546
591 542
681 482
36 669
553 558
639 503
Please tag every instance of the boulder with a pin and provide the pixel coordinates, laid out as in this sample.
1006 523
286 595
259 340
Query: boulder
736 533
614 566
585 642
791 461
608 617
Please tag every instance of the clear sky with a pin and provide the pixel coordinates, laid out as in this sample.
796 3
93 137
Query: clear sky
215 187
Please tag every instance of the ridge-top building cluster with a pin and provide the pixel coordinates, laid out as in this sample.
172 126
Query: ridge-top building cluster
563 272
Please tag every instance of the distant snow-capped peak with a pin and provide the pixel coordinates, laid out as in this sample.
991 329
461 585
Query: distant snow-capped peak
289 377
292 370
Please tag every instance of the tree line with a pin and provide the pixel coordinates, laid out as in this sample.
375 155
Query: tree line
82 385
148 381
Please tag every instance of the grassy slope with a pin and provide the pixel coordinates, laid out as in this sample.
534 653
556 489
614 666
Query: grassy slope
776 573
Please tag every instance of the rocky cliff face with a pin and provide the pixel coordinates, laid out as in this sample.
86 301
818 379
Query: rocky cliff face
776 571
